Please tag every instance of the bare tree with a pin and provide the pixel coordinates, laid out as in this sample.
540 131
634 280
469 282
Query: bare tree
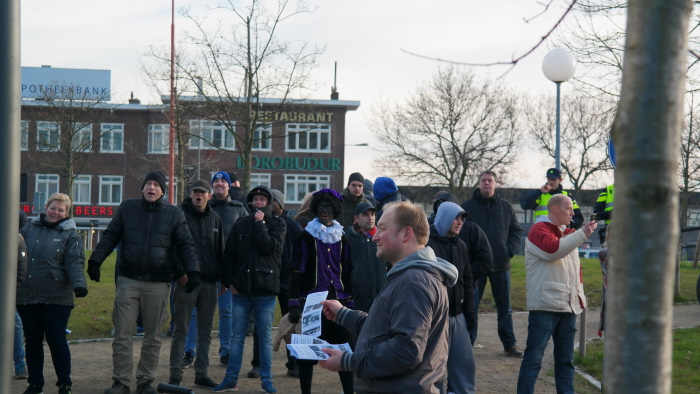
449 130
70 131
585 123
689 163
235 68
647 134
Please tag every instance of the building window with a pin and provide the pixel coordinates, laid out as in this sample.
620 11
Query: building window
308 137
175 189
24 134
158 136
110 189
112 140
81 189
48 136
260 179
262 138
82 138
296 186
207 134
46 183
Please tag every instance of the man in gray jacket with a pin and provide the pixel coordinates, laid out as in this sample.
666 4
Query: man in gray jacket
402 343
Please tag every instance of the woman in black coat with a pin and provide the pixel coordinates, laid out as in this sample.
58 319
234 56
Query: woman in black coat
55 266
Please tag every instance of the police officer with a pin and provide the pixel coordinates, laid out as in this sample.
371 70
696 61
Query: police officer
603 209
537 200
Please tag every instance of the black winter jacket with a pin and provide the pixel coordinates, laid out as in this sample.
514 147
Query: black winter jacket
254 254
208 237
454 250
480 254
56 263
148 233
368 270
497 218
294 229
230 211
21 260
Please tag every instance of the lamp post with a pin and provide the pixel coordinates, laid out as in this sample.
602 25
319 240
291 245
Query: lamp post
558 66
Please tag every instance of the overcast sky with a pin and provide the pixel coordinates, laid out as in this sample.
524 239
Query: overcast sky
365 38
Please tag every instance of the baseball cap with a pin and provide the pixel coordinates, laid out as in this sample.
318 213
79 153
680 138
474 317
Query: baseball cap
202 185
364 207
553 173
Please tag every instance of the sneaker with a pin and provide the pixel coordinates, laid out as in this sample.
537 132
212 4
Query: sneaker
255 372
140 331
223 360
293 372
145 388
65 389
204 381
34 389
267 387
226 386
513 351
21 372
187 360
174 381
118 388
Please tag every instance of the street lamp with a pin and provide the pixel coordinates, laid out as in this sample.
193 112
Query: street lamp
558 66
361 144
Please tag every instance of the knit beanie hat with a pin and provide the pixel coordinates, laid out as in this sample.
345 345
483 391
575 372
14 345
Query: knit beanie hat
221 175
356 176
155 176
278 196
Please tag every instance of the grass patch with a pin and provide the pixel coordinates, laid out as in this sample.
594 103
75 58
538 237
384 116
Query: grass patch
686 361
592 284
92 316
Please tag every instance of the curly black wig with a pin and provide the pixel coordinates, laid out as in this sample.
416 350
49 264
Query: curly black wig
336 203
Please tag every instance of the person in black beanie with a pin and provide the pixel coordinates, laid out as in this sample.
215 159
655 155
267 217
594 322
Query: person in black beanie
352 197
148 229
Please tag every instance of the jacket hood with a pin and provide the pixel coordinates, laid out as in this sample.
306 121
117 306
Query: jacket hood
68 224
384 187
545 219
446 215
425 259
189 205
369 187
265 191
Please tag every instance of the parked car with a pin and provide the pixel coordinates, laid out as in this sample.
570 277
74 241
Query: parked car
590 253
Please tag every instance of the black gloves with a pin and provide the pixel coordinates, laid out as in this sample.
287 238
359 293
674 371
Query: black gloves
93 271
80 292
192 281
470 317
294 314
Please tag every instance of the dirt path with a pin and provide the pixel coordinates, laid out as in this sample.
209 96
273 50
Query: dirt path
496 372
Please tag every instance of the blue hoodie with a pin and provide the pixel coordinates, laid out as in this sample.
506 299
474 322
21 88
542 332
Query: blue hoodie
384 187
446 214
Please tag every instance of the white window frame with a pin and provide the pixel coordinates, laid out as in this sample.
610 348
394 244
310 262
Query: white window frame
175 189
262 179
83 130
323 181
82 180
266 144
153 130
294 130
50 127
111 180
49 180
24 135
108 131
202 130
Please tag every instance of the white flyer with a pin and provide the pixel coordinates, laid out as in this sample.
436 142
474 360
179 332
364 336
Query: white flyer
307 340
311 317
315 352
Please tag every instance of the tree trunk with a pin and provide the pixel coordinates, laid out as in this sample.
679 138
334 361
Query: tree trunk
647 139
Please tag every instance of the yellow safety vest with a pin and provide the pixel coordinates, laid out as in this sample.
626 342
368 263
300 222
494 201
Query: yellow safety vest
541 209
608 196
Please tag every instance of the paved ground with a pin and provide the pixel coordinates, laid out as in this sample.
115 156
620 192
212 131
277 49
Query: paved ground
496 372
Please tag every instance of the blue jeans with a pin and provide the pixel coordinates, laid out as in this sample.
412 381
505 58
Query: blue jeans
500 287
561 327
191 341
18 354
225 322
46 321
263 308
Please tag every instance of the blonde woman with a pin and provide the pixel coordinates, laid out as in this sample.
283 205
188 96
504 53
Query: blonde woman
55 266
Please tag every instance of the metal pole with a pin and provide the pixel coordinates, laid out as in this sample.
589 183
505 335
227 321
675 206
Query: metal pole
171 159
557 154
10 109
